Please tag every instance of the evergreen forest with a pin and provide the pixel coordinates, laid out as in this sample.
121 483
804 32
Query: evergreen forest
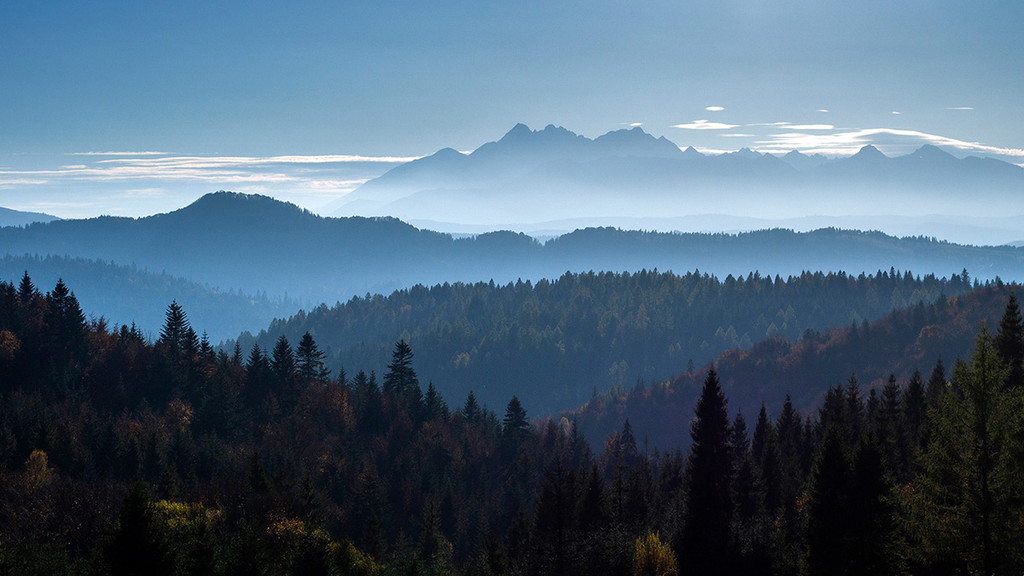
591 331
122 454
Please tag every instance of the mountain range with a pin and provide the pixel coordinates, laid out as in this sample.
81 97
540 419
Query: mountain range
257 245
528 179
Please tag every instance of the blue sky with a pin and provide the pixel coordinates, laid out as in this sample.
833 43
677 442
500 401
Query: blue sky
304 100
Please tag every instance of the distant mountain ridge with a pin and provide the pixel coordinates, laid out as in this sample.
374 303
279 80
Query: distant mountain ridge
532 176
258 245
126 294
9 217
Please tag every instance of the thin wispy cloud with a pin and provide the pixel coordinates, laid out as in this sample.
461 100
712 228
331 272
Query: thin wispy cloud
147 153
823 110
712 151
811 127
714 108
128 180
848 142
960 108
705 125
791 126
241 161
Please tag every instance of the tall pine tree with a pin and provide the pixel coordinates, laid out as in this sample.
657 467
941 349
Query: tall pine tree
705 538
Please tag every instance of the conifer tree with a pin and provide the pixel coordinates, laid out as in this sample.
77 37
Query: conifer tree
400 375
968 500
65 323
514 426
435 404
310 361
761 431
914 414
471 409
828 509
282 360
876 542
937 384
1010 343
174 334
706 528
401 383
27 291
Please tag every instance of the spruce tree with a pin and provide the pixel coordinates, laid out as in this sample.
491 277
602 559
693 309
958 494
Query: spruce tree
706 542
968 499
310 361
401 383
282 360
1010 343
828 509
471 409
400 375
174 334
66 325
914 414
514 427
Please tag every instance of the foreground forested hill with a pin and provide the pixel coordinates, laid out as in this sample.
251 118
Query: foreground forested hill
120 455
554 343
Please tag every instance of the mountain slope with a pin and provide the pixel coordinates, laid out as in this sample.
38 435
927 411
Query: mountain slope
10 217
554 343
915 338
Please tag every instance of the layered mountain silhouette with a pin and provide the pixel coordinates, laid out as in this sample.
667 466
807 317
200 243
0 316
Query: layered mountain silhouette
258 245
529 177
126 294
10 217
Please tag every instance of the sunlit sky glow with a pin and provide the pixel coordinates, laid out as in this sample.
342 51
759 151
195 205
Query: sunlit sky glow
134 107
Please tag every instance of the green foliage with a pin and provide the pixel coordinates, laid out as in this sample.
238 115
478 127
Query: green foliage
968 500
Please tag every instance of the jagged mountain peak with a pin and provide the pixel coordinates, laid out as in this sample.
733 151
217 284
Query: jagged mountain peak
692 152
869 152
745 153
932 152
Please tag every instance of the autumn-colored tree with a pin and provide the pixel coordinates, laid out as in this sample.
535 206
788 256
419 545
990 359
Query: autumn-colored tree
652 558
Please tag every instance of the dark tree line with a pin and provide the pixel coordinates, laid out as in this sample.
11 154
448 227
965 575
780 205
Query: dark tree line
123 456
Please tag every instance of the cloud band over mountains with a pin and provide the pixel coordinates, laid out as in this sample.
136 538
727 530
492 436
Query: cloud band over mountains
145 182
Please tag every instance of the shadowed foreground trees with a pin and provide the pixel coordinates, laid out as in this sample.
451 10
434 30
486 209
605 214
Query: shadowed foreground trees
968 500
174 458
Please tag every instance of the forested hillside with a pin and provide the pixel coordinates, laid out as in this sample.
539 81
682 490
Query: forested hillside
123 456
910 341
554 343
